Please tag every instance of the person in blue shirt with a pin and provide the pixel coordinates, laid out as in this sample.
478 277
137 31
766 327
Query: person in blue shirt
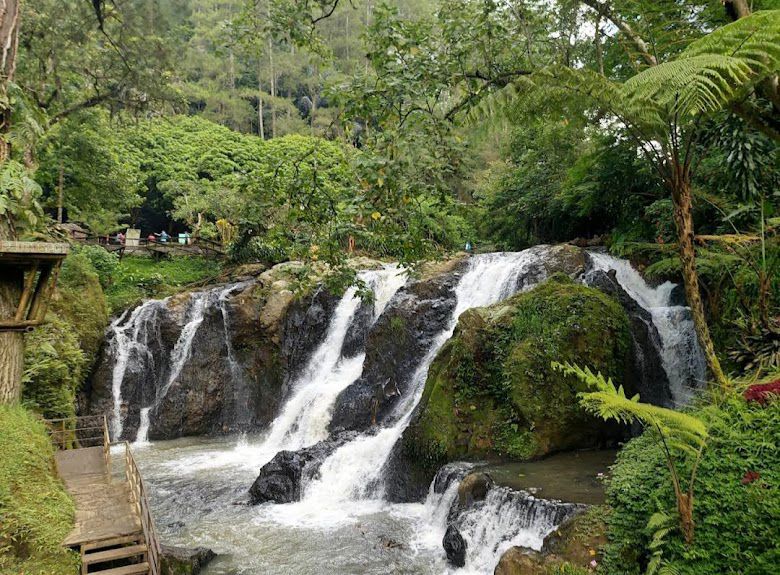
164 237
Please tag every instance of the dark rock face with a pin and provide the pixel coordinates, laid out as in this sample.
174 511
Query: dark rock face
250 344
395 345
281 480
184 561
645 374
454 546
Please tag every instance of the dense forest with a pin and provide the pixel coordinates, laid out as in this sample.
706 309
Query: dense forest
298 137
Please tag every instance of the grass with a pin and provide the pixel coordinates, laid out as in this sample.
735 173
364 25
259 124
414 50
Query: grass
36 513
138 278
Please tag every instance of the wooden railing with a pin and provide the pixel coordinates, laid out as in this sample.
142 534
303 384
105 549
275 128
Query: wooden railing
78 432
92 431
194 246
141 503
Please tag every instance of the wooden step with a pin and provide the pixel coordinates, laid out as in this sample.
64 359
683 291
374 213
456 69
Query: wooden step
114 541
137 569
113 554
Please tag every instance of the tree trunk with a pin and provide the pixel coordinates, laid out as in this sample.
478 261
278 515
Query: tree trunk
683 217
60 191
11 343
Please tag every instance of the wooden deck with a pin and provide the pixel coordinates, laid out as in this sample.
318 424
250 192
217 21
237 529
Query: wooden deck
113 529
104 510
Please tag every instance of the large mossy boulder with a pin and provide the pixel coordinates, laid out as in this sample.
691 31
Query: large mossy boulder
491 390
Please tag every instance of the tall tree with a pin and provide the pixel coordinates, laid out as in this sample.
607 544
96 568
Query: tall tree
662 109
11 343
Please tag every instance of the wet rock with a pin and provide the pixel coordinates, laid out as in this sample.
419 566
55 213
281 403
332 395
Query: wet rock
645 374
521 561
474 487
251 343
395 345
455 546
281 479
184 561
498 364
578 539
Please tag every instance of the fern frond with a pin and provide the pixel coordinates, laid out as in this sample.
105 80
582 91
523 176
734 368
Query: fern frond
753 38
683 431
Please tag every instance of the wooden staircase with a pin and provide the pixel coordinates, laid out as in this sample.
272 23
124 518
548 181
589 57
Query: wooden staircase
114 530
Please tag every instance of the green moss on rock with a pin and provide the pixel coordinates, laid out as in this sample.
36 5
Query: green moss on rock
491 391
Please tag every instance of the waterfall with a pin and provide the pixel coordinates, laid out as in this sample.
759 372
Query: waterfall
682 358
354 471
137 347
305 416
131 340
505 519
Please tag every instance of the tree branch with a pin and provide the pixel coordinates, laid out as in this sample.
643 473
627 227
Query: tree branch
605 11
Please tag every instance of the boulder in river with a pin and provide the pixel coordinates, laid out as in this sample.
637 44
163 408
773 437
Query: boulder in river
184 560
281 479
395 345
492 392
455 546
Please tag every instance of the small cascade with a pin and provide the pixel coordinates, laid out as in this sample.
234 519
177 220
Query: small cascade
355 471
133 343
305 416
504 519
139 350
683 360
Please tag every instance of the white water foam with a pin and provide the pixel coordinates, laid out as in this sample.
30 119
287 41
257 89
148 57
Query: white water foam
129 345
305 416
682 358
353 472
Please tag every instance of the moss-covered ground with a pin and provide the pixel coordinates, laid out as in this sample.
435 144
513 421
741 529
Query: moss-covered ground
36 513
137 278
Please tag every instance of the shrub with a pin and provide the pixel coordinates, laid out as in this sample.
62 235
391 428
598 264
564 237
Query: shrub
737 521
35 511
104 263
80 300
54 366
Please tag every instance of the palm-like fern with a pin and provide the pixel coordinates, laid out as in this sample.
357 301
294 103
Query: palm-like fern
677 432
711 73
680 430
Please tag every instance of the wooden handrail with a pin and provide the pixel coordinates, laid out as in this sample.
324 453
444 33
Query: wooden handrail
139 500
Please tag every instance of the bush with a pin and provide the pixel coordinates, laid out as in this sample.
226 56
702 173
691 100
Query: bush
35 511
736 497
54 366
105 263
138 278
80 300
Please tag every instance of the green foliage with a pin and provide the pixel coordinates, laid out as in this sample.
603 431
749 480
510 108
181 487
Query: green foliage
104 262
54 368
98 172
137 278
19 195
676 428
79 300
35 511
742 438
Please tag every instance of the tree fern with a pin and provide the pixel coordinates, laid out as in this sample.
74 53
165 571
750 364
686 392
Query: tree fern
683 431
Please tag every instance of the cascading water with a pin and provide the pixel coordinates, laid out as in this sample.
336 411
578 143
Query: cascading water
305 416
131 345
138 347
354 471
343 524
681 355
